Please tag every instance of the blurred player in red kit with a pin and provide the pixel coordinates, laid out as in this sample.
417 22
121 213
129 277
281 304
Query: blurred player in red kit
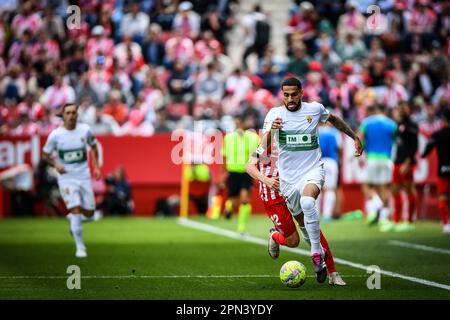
262 166
404 163
440 139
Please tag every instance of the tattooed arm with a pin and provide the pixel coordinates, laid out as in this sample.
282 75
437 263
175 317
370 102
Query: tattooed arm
344 127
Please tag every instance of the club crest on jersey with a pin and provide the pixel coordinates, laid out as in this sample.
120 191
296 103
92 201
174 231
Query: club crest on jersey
83 140
309 119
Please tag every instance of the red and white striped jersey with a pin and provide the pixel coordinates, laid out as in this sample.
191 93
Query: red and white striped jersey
267 165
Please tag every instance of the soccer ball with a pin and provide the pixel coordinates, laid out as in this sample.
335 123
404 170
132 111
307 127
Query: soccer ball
293 274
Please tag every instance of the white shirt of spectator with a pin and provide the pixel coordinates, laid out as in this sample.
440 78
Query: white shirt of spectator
249 23
193 22
239 85
55 97
392 96
21 23
135 25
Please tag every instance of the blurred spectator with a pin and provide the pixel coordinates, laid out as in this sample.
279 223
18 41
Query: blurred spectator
58 94
210 85
136 124
153 48
116 108
351 22
47 190
99 45
298 64
19 181
270 77
351 48
221 61
27 19
238 85
442 93
187 20
52 24
251 42
394 93
181 84
124 49
178 47
165 13
78 64
117 199
46 78
216 23
329 59
161 122
13 85
135 23
302 26
420 25
104 124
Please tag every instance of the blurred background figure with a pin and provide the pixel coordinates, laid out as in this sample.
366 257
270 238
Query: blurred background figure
404 164
237 148
117 199
377 134
330 145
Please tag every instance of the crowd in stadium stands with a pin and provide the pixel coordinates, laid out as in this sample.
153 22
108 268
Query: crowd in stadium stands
141 67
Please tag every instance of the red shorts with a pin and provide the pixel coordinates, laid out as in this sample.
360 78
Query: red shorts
443 185
397 178
281 217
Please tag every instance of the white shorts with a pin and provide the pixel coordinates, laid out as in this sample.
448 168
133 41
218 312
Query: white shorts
292 192
77 193
378 171
331 173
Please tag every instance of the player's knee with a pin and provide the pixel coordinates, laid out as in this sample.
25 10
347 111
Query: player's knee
307 203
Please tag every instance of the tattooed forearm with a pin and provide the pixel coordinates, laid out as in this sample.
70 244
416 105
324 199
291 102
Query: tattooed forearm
342 126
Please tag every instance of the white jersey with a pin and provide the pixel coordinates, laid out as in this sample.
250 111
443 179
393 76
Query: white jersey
298 140
71 149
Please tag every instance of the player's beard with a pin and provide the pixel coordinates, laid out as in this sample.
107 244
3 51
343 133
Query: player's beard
293 107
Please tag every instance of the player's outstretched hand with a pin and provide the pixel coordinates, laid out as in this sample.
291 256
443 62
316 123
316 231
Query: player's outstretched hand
277 123
358 147
273 183
97 173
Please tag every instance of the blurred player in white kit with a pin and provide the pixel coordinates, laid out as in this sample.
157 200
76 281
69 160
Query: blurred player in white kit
70 142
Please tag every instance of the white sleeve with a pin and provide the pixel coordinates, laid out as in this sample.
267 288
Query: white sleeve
50 144
271 115
324 113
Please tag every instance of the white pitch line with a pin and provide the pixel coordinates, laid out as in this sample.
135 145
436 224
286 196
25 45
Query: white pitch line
233 276
235 235
417 246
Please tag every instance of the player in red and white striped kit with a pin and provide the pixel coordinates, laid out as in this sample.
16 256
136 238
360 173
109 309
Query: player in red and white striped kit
263 168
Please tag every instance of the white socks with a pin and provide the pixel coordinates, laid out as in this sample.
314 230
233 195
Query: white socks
384 214
329 199
374 204
312 222
77 230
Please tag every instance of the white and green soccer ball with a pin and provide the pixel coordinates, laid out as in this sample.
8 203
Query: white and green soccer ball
293 274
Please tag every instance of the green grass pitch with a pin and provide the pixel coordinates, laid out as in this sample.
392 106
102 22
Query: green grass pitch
158 258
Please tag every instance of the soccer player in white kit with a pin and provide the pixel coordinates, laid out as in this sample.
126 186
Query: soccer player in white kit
70 142
294 126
